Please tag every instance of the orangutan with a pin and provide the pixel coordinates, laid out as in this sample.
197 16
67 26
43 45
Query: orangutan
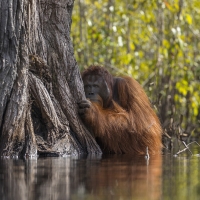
119 114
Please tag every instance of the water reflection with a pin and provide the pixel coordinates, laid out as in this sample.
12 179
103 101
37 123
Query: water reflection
110 177
181 177
125 177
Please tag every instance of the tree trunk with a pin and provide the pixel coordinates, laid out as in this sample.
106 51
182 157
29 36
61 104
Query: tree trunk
40 83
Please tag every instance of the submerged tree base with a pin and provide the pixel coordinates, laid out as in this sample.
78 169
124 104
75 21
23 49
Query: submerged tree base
40 82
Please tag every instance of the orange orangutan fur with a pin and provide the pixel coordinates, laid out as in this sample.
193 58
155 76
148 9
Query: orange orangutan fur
128 125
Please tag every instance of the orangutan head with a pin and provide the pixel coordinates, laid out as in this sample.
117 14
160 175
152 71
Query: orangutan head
98 85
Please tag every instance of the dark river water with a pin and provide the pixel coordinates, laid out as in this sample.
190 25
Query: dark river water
106 177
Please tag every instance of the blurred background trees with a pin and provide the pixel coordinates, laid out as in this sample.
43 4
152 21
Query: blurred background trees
156 42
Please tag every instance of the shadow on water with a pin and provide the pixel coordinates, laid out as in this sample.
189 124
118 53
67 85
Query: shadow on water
108 177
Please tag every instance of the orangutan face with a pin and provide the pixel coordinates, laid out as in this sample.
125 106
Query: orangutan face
96 89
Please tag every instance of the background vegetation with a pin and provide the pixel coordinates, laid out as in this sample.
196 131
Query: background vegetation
155 41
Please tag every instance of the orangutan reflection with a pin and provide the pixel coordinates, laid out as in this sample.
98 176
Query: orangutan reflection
124 177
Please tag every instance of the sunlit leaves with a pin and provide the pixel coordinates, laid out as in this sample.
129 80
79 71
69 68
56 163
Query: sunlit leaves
188 19
155 40
182 86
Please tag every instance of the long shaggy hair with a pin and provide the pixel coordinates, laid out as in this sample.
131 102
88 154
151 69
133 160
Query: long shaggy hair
129 124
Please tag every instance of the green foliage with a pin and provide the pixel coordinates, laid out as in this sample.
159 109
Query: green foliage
154 41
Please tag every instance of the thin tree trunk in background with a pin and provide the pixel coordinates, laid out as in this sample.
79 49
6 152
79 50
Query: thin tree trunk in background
40 82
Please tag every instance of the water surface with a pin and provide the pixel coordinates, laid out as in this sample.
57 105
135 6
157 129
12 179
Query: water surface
115 177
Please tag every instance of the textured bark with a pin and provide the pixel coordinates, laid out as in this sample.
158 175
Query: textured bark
40 83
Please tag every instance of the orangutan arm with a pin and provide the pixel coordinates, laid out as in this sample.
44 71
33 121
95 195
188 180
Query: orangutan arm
103 121
147 129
